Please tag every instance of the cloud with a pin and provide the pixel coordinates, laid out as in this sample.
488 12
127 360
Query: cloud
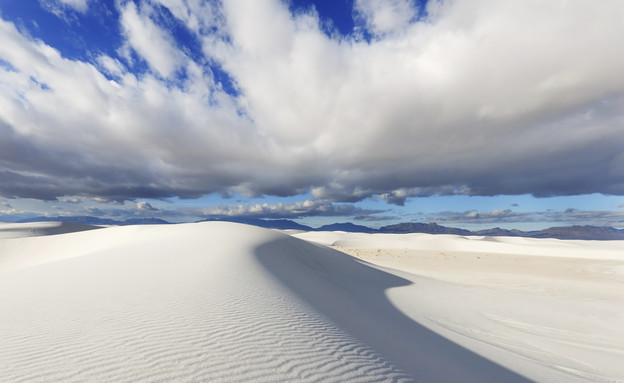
59 7
375 218
144 206
78 5
477 99
568 216
383 17
307 208
110 66
7 209
93 211
71 200
153 43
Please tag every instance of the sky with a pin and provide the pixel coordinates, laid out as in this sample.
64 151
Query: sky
470 114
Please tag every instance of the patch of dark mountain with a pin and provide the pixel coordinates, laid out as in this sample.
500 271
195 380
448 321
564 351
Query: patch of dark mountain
568 232
348 227
498 232
416 227
579 232
281 224
87 220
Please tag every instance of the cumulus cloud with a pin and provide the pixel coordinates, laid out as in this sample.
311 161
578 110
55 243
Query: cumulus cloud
144 206
110 66
481 98
307 208
382 17
153 43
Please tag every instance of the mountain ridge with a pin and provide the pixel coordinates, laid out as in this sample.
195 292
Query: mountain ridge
583 232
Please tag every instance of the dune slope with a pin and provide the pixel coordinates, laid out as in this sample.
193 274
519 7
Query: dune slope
174 303
550 309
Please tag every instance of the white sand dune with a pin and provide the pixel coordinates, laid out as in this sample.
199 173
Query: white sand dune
555 306
228 302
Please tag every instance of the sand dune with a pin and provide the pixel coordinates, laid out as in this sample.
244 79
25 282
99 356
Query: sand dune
228 302
553 304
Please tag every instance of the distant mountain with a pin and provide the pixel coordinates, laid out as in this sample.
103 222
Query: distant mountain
348 227
145 221
87 220
579 232
429 228
567 232
281 224
498 232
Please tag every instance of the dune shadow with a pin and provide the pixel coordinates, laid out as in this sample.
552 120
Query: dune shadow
352 295
41 229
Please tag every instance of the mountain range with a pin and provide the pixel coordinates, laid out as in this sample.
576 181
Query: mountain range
568 232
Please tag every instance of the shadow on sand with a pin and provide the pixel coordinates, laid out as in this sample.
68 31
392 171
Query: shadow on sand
40 229
352 295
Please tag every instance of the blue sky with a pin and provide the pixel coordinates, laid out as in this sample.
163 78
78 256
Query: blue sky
372 111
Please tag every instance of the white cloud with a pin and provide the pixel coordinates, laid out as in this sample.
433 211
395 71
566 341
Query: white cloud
110 66
145 206
307 208
78 5
106 138
153 43
198 16
7 209
474 93
482 98
59 7
382 17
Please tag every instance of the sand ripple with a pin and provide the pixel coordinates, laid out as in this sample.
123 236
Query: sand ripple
167 308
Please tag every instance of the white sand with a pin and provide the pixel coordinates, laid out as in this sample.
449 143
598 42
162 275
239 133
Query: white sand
534 305
227 302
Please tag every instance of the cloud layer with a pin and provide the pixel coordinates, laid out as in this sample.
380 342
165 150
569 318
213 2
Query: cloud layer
478 98
507 216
